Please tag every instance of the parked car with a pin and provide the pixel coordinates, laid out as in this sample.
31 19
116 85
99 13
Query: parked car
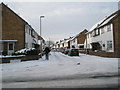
73 52
62 50
66 51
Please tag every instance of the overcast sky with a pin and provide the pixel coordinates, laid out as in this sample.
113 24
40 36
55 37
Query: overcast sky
62 19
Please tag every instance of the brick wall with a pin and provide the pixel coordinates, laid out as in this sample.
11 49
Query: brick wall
22 58
81 37
0 22
116 34
13 27
102 54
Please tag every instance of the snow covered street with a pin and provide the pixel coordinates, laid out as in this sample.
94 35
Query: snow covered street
61 71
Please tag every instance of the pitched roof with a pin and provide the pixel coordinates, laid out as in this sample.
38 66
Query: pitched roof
84 31
104 21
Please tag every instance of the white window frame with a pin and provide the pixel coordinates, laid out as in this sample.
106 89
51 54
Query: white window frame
109 47
109 27
12 46
102 30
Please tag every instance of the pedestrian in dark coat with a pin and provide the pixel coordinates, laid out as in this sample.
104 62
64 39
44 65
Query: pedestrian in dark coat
46 51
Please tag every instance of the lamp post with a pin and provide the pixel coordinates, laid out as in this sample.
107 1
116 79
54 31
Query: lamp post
41 33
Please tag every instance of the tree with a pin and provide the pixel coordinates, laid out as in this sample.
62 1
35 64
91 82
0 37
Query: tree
49 43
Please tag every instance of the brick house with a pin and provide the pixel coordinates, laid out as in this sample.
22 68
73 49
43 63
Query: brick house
103 38
78 40
16 32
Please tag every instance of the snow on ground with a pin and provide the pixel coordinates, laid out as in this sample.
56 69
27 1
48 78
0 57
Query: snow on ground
59 66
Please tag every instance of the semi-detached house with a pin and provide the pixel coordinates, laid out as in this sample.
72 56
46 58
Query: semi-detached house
104 36
16 33
78 40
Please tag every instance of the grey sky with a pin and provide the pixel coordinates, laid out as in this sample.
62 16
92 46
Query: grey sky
62 19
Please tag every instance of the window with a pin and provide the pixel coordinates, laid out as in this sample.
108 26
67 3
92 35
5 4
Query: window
11 46
33 33
81 47
1 47
93 33
29 31
109 45
102 30
109 27
97 32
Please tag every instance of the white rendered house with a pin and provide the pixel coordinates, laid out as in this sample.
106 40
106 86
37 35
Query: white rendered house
31 37
100 36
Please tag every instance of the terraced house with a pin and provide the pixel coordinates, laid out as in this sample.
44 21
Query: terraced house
16 32
103 38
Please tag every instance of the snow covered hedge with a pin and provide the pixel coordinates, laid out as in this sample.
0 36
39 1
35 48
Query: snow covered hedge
27 51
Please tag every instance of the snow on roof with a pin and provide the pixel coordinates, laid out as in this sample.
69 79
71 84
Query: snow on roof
85 30
71 38
24 50
103 21
95 26
107 20
67 40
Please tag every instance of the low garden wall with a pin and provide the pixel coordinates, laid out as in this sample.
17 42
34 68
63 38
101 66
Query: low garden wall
30 57
8 59
102 54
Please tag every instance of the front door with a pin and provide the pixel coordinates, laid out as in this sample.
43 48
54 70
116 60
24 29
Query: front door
10 48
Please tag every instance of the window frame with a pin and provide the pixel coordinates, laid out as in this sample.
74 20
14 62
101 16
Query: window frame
9 47
109 27
109 45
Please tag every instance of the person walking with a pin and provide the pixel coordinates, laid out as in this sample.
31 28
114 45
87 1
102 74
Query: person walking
46 51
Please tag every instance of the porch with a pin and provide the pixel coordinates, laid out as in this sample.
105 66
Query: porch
7 47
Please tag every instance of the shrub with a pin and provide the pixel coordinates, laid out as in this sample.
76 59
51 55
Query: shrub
30 51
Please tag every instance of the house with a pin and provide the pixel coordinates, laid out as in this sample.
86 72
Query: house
61 43
67 42
57 45
31 37
16 32
73 42
104 36
78 40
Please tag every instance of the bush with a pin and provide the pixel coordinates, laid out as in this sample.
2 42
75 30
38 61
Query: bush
31 51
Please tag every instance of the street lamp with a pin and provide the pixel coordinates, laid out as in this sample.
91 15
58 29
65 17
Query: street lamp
41 33
41 25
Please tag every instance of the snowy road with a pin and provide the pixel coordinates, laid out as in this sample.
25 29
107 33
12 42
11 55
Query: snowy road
62 71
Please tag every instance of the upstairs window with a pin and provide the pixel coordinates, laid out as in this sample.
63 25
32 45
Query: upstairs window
97 32
109 27
102 30
93 33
